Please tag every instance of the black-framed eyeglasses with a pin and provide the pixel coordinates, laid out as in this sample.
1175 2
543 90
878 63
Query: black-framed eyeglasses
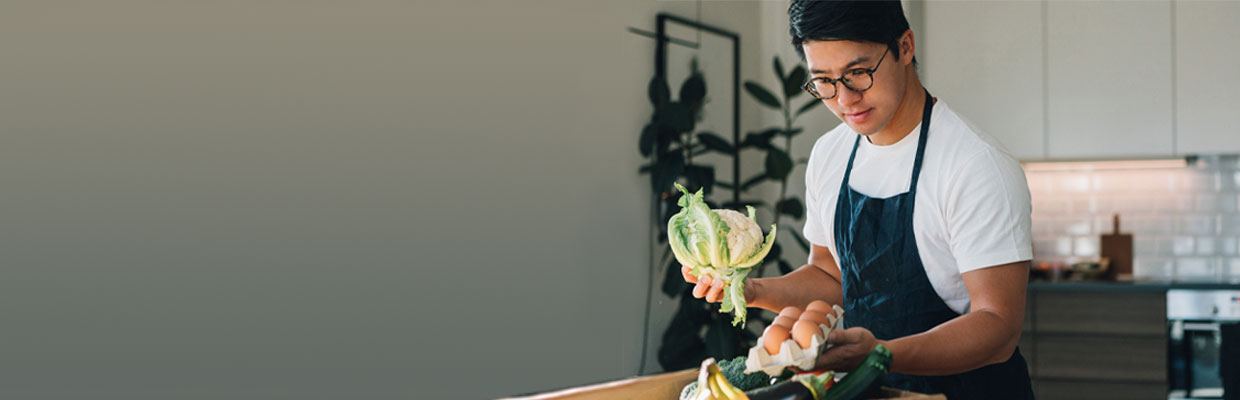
856 79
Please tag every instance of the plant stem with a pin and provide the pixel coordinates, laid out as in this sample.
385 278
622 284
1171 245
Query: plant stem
783 183
687 147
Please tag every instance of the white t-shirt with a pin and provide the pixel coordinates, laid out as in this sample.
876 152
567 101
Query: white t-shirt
972 206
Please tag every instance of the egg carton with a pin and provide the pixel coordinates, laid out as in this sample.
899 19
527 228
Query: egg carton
790 353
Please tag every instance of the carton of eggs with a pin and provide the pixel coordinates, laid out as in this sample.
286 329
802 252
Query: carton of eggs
795 338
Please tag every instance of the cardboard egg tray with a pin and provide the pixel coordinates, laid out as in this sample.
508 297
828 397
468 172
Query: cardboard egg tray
790 353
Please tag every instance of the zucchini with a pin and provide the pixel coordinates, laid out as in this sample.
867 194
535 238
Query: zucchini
788 390
866 378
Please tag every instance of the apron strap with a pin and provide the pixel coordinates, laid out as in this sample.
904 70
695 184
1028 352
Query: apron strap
921 148
921 143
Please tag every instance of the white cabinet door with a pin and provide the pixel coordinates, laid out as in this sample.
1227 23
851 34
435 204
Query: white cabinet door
985 60
1207 61
1109 79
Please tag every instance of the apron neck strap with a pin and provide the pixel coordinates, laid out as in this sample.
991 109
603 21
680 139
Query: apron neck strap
921 141
921 146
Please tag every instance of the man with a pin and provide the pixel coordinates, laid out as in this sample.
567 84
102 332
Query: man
920 223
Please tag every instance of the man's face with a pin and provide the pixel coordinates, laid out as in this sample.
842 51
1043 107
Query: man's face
865 112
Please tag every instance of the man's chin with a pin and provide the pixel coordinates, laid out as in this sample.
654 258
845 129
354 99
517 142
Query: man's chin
863 129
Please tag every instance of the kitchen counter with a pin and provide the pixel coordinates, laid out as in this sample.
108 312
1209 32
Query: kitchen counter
1130 286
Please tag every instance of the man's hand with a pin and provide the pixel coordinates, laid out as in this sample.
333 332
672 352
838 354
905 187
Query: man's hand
849 347
712 289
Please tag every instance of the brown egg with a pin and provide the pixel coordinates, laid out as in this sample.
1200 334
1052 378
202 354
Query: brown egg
819 306
790 312
773 336
803 332
784 321
816 317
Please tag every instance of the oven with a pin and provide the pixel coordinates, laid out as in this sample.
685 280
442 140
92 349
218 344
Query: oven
1203 350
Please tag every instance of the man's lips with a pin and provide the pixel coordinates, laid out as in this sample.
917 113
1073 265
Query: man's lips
858 116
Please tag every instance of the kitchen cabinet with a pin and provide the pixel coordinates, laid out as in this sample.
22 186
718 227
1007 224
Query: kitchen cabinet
1101 358
995 79
1054 80
1091 344
1099 390
1206 54
1094 313
1109 80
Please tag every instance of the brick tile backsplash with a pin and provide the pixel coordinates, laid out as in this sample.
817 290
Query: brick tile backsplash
1185 221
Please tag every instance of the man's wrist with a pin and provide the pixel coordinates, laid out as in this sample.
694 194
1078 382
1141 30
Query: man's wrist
752 287
897 349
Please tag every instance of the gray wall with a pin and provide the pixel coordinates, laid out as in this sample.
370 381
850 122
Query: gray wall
325 199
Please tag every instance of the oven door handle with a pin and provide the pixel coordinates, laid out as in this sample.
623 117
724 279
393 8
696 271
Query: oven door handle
1202 326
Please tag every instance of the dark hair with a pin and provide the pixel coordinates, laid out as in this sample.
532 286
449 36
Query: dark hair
877 21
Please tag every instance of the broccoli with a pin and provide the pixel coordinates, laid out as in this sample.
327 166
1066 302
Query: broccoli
734 370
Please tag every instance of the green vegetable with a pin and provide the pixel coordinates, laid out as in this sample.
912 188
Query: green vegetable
818 383
719 243
792 390
734 371
865 379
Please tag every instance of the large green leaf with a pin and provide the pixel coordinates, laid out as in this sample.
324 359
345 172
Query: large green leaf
754 181
667 170
693 90
759 140
700 176
792 207
715 142
762 95
813 103
791 132
796 79
778 164
779 69
658 91
646 143
676 117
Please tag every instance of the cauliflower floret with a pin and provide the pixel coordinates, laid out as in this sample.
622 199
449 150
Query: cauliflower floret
744 235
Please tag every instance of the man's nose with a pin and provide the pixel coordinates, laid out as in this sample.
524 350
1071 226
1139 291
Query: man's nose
846 96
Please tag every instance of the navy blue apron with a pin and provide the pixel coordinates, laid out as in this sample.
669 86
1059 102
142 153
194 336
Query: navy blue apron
886 289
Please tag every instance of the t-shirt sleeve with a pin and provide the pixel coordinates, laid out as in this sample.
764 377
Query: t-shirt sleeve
988 213
814 230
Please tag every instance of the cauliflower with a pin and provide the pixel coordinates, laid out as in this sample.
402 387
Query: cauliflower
721 244
744 235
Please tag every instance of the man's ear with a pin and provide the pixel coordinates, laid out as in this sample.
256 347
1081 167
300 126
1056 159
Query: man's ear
908 47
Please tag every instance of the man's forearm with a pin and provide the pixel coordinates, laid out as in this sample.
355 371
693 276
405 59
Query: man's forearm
798 288
965 343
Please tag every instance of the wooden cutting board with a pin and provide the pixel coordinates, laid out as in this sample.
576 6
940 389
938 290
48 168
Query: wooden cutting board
1117 247
667 387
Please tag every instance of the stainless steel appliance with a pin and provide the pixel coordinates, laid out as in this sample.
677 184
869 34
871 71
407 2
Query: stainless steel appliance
1203 354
